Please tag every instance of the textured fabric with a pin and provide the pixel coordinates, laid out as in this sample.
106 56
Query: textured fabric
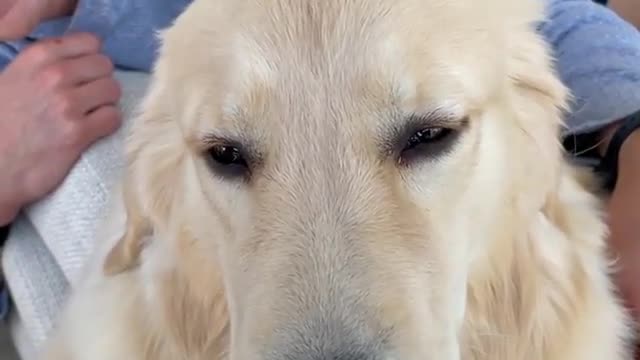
598 58
50 242
598 53
21 340
34 278
127 28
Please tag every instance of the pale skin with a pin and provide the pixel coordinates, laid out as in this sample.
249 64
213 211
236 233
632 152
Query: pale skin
58 97
624 217
628 9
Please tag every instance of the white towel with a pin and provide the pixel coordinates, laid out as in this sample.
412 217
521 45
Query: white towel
51 241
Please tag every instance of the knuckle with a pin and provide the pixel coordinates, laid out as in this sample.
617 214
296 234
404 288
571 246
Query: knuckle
104 62
71 134
39 52
96 40
114 89
114 114
110 119
52 76
90 40
62 104
108 89
110 114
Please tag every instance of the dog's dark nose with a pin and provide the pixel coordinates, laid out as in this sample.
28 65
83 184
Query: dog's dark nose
329 343
344 356
331 355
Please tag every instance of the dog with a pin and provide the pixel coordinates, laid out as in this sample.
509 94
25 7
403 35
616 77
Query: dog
352 180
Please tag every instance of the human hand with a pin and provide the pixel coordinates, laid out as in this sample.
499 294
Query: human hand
624 223
56 98
19 17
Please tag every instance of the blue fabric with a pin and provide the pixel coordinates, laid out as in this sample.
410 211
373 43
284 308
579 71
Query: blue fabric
7 52
127 28
5 303
598 54
598 58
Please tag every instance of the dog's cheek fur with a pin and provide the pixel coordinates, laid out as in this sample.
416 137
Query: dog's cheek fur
185 291
534 285
189 301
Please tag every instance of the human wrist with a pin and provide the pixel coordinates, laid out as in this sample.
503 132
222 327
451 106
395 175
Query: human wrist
604 137
8 212
619 150
629 159
61 8
11 199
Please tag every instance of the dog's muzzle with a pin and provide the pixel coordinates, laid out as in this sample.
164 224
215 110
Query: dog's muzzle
329 341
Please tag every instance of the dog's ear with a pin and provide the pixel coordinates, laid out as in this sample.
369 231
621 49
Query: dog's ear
154 153
539 101
125 254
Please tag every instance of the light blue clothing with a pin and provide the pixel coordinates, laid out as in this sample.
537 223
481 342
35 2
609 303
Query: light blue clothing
598 58
127 28
598 54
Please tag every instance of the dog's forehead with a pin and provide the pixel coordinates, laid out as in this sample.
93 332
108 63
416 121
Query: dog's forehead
415 54
406 42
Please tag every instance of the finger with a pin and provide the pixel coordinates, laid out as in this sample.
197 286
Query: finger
5 6
48 51
82 70
100 123
98 93
18 22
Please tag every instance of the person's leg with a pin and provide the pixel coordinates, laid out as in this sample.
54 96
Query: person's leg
53 238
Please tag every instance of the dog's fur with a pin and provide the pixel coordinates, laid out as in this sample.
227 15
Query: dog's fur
336 245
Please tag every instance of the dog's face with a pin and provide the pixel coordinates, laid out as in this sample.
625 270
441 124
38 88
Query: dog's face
345 163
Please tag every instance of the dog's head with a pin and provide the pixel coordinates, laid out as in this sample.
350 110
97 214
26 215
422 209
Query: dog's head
340 166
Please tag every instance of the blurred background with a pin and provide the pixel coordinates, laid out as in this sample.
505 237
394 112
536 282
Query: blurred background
6 348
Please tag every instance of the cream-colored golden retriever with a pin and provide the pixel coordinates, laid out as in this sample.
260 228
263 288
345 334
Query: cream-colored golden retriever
349 180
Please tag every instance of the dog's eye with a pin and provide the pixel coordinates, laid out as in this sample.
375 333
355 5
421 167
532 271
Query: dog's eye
226 155
427 142
227 160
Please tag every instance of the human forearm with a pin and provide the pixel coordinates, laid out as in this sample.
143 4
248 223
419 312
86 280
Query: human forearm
628 9
628 151
59 8
8 208
8 211
10 194
630 155
623 218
